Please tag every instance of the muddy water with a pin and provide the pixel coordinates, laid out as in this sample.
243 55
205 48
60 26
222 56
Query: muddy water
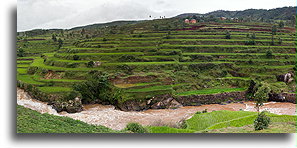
106 115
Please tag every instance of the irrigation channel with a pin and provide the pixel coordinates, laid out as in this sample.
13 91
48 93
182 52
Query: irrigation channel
108 116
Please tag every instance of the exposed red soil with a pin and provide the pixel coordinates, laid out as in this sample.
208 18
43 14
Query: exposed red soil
192 28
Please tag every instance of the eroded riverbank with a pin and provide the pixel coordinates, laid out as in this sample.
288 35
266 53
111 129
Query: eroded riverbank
108 116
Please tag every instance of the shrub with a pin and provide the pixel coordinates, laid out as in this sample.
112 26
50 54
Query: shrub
269 54
90 64
128 58
204 111
262 121
98 87
228 35
250 42
32 70
126 69
75 57
136 128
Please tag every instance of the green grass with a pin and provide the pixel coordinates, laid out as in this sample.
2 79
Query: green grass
103 54
31 58
28 80
60 80
30 121
228 119
239 122
127 85
236 78
163 63
204 121
54 89
224 46
23 65
151 89
24 62
230 122
244 54
22 71
210 91
165 129
275 127
39 63
266 66
262 37
220 40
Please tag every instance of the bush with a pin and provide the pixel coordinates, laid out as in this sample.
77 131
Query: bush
269 54
98 88
127 58
204 111
250 42
228 35
90 64
75 57
136 128
261 122
32 70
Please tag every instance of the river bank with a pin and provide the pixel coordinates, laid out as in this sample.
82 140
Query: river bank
108 116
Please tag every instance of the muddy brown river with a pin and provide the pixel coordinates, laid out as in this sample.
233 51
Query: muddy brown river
108 116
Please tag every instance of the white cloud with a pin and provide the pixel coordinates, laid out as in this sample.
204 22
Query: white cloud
34 14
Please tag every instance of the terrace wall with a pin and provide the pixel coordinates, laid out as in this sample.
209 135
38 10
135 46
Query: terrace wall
212 98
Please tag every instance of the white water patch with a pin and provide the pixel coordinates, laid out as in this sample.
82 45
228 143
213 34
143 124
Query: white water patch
24 99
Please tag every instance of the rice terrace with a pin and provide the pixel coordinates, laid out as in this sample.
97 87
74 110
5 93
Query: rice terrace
219 72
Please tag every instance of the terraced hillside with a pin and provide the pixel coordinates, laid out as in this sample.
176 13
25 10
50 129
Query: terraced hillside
146 65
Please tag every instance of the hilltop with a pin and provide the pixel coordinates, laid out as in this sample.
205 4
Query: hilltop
285 13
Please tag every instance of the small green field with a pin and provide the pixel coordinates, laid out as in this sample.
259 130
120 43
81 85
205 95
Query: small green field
229 122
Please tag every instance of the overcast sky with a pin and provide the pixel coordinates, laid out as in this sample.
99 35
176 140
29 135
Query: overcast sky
47 14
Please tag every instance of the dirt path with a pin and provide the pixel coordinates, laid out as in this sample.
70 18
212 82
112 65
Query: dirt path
115 119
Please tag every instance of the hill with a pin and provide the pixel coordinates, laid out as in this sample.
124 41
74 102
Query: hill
285 13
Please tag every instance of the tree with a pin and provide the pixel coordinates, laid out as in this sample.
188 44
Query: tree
272 40
62 33
262 121
54 37
269 54
281 24
253 36
261 95
60 43
98 87
228 35
280 41
20 52
83 31
274 30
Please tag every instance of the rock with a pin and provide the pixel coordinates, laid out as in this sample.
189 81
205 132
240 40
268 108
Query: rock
285 78
97 63
174 104
71 106
167 103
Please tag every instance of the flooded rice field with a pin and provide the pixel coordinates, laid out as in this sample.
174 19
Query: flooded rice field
108 116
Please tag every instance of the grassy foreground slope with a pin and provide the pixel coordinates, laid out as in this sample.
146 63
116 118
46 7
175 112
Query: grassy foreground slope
231 121
30 121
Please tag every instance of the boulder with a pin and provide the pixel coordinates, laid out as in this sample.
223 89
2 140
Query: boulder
167 103
71 106
285 77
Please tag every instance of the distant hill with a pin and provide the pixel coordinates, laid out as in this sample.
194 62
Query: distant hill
284 13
